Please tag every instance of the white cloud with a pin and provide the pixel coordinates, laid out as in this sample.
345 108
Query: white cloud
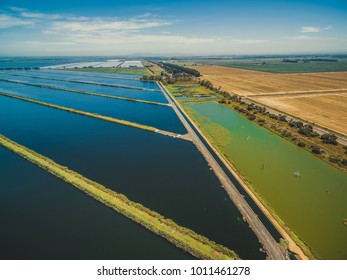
16 9
305 37
62 43
124 38
69 33
40 15
248 41
302 37
309 29
313 29
99 24
100 31
7 21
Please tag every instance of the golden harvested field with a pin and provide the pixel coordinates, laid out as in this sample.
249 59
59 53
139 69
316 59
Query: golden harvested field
329 110
247 82
319 98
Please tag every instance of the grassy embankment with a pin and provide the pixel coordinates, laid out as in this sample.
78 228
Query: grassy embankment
153 68
275 65
123 71
84 113
189 241
191 91
86 92
82 82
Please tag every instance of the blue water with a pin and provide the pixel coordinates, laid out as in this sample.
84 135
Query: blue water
40 61
165 174
94 78
92 74
162 117
124 92
43 217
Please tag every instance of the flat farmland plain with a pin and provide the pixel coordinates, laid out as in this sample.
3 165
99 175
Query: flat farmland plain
247 82
320 98
328 110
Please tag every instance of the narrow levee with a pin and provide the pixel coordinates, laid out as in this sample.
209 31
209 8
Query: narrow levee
97 116
128 80
272 248
183 238
86 74
154 96
136 112
82 81
167 175
85 92
35 205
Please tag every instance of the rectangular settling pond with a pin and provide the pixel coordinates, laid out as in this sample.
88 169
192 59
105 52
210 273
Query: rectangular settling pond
95 78
313 205
149 95
43 217
98 74
117 80
162 117
165 174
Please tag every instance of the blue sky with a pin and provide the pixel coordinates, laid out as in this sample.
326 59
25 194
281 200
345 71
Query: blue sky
171 27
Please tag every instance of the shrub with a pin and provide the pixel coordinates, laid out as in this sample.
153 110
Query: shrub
301 144
286 133
315 150
282 118
334 159
329 138
307 130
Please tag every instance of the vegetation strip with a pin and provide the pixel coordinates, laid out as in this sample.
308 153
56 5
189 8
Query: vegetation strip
80 82
86 92
93 115
189 241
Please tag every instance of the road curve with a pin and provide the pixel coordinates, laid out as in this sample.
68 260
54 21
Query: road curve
272 248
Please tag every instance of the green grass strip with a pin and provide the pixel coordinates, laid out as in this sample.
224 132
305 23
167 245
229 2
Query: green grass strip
84 113
189 241
85 92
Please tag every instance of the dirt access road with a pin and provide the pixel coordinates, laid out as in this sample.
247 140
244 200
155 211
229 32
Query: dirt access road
274 251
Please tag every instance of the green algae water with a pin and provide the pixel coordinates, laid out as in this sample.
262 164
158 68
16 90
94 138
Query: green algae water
313 204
